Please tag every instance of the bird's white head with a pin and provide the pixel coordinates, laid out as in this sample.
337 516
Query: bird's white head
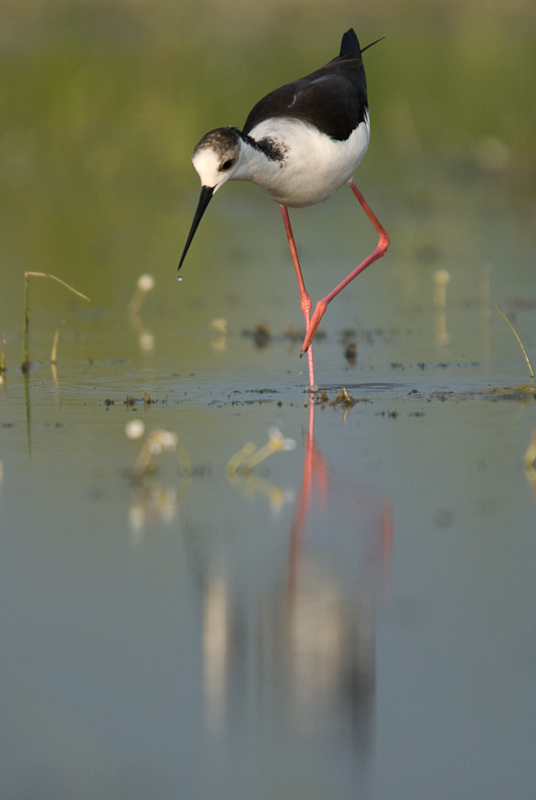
217 158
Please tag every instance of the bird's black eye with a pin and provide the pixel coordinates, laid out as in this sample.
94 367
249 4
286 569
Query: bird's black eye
226 165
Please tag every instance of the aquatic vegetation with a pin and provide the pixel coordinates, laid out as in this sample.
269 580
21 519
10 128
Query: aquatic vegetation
25 367
531 372
248 457
158 441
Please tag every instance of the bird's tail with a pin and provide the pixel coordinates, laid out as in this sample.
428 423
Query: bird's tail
350 44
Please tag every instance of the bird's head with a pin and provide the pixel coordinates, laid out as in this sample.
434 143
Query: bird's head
216 159
217 156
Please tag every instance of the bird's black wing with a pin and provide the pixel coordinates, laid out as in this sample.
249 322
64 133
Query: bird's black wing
334 98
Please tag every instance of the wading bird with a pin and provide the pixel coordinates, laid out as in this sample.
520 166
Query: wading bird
300 144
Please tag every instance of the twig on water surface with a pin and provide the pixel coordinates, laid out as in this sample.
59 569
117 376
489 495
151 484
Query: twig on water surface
531 373
25 354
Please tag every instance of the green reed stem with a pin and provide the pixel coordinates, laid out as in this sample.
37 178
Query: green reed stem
531 373
25 366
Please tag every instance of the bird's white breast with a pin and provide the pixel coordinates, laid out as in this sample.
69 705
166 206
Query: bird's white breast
313 165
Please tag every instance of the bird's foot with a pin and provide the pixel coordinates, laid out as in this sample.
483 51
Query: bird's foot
311 330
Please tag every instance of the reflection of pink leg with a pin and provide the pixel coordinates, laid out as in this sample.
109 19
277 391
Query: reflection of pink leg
314 472
302 507
329 494
305 299
383 244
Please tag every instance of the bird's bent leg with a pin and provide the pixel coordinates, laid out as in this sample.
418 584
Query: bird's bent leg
383 244
306 304
305 300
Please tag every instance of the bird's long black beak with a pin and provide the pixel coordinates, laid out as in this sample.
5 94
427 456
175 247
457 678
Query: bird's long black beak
204 200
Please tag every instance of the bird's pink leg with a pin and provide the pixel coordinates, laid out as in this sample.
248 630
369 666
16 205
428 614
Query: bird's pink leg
305 302
383 244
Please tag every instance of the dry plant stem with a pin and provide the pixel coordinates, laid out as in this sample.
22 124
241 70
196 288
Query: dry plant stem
531 373
3 356
142 462
27 275
25 355
54 352
235 462
135 303
255 458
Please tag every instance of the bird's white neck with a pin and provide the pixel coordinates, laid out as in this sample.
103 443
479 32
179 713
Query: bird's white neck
260 156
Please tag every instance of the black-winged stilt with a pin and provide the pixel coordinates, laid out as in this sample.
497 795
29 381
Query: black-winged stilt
300 144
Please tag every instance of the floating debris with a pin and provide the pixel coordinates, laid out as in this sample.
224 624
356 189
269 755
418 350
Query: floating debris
350 353
343 399
261 336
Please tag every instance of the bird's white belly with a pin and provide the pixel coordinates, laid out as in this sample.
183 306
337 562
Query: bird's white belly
313 167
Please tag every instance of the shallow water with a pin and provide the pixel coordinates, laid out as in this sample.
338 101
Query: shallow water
352 617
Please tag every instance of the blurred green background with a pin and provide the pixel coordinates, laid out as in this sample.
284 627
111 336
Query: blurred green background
102 102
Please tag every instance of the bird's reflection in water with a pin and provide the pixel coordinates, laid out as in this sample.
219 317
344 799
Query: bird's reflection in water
307 648
327 620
